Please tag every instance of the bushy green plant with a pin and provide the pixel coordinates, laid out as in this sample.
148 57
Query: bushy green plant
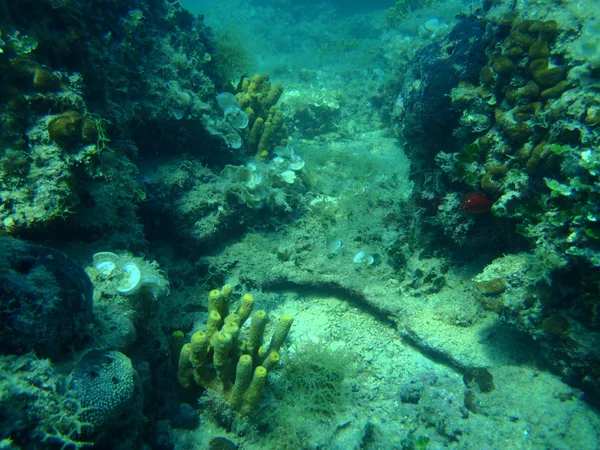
413 442
231 56
315 376
311 389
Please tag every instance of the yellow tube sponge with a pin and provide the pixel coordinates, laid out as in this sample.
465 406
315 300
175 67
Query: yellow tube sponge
185 374
255 134
265 129
175 343
199 344
271 360
219 300
272 134
214 299
228 358
273 96
214 323
232 318
226 292
221 343
258 322
257 83
225 299
254 391
262 353
243 375
231 328
281 332
245 309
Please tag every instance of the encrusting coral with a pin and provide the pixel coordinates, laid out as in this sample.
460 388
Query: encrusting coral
70 128
223 360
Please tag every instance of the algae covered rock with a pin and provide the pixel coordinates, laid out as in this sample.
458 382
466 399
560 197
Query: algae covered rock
424 103
71 128
45 300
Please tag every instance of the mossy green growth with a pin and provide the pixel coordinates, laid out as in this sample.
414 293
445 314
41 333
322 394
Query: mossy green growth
316 378
310 392
402 9
471 156
14 164
470 153
558 149
413 442
231 57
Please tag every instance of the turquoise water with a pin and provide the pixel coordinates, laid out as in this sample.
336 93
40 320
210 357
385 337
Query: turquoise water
299 225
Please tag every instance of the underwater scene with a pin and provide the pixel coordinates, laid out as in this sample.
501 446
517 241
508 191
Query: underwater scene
300 224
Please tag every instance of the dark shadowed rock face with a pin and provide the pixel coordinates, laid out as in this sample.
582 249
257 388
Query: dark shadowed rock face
425 109
45 300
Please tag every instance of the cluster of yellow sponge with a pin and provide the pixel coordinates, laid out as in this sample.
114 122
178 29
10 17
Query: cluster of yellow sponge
265 129
222 359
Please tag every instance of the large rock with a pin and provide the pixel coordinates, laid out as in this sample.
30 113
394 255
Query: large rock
424 107
45 300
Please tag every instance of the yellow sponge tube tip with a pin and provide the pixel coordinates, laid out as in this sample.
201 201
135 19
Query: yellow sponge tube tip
254 391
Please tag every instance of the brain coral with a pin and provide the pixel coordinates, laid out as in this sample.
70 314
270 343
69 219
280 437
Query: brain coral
107 387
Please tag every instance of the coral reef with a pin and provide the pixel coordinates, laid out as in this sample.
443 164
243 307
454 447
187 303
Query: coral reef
51 417
313 112
71 131
48 311
56 161
587 46
422 200
215 207
519 163
527 160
